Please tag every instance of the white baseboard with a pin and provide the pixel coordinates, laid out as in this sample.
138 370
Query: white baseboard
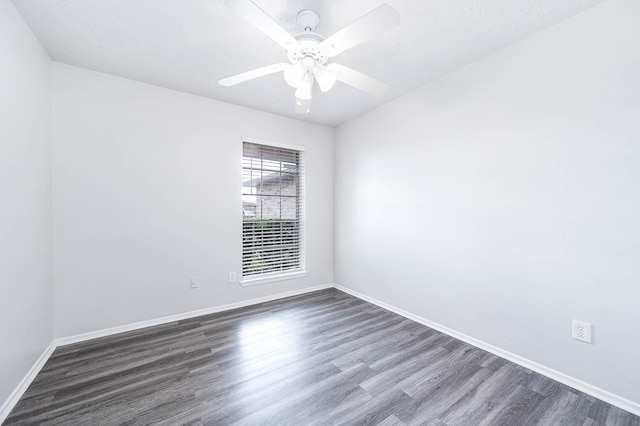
594 391
17 393
62 341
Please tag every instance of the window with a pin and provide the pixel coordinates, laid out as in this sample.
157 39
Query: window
272 211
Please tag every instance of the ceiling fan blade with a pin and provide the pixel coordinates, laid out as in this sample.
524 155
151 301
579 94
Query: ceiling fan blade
257 17
250 75
358 80
374 23
303 106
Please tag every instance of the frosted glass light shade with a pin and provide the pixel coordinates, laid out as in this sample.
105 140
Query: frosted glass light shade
326 77
294 74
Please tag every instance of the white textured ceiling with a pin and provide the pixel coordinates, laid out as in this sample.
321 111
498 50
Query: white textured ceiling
188 45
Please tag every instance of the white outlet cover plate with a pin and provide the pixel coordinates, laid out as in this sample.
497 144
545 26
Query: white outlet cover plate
193 282
582 331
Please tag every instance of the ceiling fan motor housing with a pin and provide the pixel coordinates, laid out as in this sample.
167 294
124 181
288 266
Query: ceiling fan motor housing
309 41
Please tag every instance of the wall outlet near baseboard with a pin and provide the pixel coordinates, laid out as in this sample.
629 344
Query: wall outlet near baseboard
582 331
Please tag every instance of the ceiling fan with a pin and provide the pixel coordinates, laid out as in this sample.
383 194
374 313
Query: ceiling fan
308 51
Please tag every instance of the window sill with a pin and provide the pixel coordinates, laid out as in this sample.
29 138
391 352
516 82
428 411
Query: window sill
272 278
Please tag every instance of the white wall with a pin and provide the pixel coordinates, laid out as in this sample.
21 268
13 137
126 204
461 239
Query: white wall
25 199
147 185
504 199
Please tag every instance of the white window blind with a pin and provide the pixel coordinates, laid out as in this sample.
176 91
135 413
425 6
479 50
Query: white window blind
273 210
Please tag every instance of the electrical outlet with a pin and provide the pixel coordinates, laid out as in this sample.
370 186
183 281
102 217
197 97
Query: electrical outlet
582 331
232 277
194 283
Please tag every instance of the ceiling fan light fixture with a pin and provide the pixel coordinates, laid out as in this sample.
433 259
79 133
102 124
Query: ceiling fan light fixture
304 89
294 74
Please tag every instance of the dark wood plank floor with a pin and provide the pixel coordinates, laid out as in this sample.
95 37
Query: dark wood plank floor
318 359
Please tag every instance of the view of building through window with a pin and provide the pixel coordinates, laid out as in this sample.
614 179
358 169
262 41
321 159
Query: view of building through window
272 201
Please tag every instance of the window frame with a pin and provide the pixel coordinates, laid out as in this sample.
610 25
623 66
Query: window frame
300 272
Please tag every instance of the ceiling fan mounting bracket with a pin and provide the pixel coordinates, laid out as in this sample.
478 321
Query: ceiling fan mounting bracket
308 20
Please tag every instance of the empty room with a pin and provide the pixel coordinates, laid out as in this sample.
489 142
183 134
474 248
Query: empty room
313 212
